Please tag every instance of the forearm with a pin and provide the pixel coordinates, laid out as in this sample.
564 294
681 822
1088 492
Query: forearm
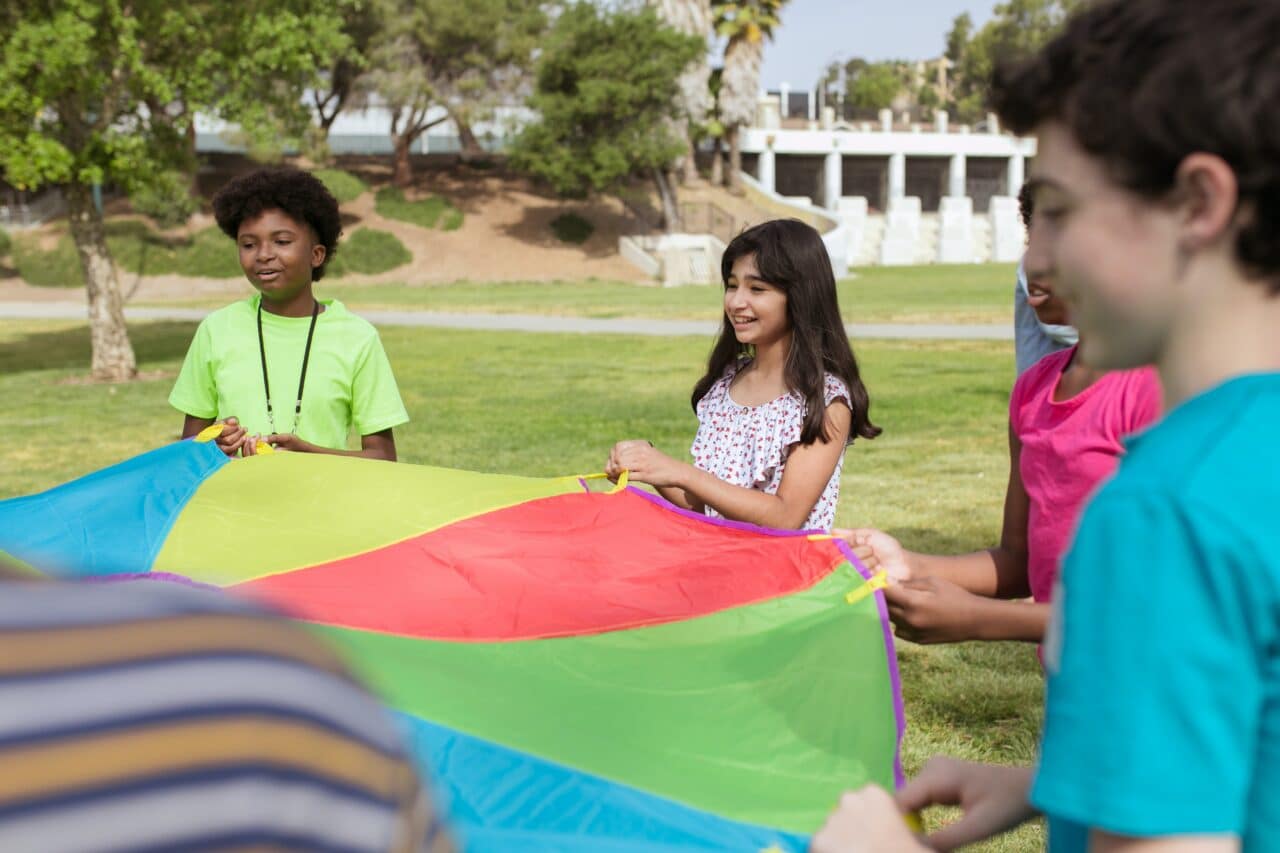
680 498
993 573
1020 621
740 503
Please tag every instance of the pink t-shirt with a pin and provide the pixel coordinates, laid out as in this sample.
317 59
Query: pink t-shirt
748 445
1069 448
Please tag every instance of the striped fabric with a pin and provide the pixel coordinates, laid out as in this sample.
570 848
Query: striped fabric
148 716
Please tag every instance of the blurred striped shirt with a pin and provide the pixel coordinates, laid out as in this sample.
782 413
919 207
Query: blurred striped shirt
146 716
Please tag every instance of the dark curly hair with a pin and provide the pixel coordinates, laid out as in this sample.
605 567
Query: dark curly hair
299 194
1026 204
790 255
1141 84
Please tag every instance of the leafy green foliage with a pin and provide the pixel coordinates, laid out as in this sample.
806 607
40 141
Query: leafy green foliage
463 56
572 228
345 186
874 86
103 92
1017 29
369 251
167 199
428 212
606 93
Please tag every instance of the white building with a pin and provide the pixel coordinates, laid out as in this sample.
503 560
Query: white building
906 193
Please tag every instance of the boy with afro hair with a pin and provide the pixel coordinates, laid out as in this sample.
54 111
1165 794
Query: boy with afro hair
283 367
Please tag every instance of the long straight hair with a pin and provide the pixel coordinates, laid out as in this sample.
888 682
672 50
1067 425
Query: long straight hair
790 256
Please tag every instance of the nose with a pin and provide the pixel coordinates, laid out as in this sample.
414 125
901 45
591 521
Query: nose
1038 260
734 298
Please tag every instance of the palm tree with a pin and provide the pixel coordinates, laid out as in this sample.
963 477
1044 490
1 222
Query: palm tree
746 24
692 17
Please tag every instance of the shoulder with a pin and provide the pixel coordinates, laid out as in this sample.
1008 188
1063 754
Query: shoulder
350 327
834 388
719 389
234 315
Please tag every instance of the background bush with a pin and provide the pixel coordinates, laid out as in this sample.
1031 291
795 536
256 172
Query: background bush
572 228
429 212
345 186
369 251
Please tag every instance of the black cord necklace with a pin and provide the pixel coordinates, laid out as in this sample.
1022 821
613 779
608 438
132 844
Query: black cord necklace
302 377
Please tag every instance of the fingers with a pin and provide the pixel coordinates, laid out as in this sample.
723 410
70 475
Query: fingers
865 554
936 785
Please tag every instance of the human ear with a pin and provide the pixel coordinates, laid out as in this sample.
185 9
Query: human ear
318 252
1207 193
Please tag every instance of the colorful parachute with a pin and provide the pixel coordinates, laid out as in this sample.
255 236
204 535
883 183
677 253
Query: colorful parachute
579 670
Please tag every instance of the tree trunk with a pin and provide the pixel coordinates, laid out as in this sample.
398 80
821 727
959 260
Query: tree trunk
690 176
670 210
403 174
113 359
734 182
717 163
472 150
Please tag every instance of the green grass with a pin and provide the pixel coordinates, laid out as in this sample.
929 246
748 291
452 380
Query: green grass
572 228
345 186
935 478
6 242
369 251
978 294
430 212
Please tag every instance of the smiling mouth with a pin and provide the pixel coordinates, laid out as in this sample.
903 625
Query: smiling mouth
268 275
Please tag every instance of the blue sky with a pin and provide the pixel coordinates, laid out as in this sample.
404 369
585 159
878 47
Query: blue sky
814 32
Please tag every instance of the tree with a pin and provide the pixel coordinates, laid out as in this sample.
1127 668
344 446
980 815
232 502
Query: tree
692 17
875 86
747 24
463 56
104 91
1017 28
360 24
606 94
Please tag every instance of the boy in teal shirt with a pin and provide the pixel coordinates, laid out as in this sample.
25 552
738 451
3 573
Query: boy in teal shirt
284 368
1157 193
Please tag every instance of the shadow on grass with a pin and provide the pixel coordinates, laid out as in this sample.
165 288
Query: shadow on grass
68 349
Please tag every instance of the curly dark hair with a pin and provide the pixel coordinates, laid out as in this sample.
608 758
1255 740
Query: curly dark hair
299 194
1141 84
1026 204
790 255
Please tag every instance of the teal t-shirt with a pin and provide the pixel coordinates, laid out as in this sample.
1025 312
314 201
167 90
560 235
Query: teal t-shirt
1163 705
349 382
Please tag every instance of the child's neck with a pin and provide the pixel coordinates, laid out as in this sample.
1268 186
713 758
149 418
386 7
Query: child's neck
770 359
1225 327
1076 377
301 305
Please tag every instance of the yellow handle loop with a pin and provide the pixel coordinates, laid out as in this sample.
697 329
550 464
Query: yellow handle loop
879 580
619 486
209 433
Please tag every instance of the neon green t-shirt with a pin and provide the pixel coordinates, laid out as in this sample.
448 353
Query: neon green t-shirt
349 381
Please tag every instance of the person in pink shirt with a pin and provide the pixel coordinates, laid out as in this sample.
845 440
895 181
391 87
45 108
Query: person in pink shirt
1066 425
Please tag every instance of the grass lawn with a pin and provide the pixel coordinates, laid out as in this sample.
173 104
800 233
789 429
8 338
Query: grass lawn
925 294
545 405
